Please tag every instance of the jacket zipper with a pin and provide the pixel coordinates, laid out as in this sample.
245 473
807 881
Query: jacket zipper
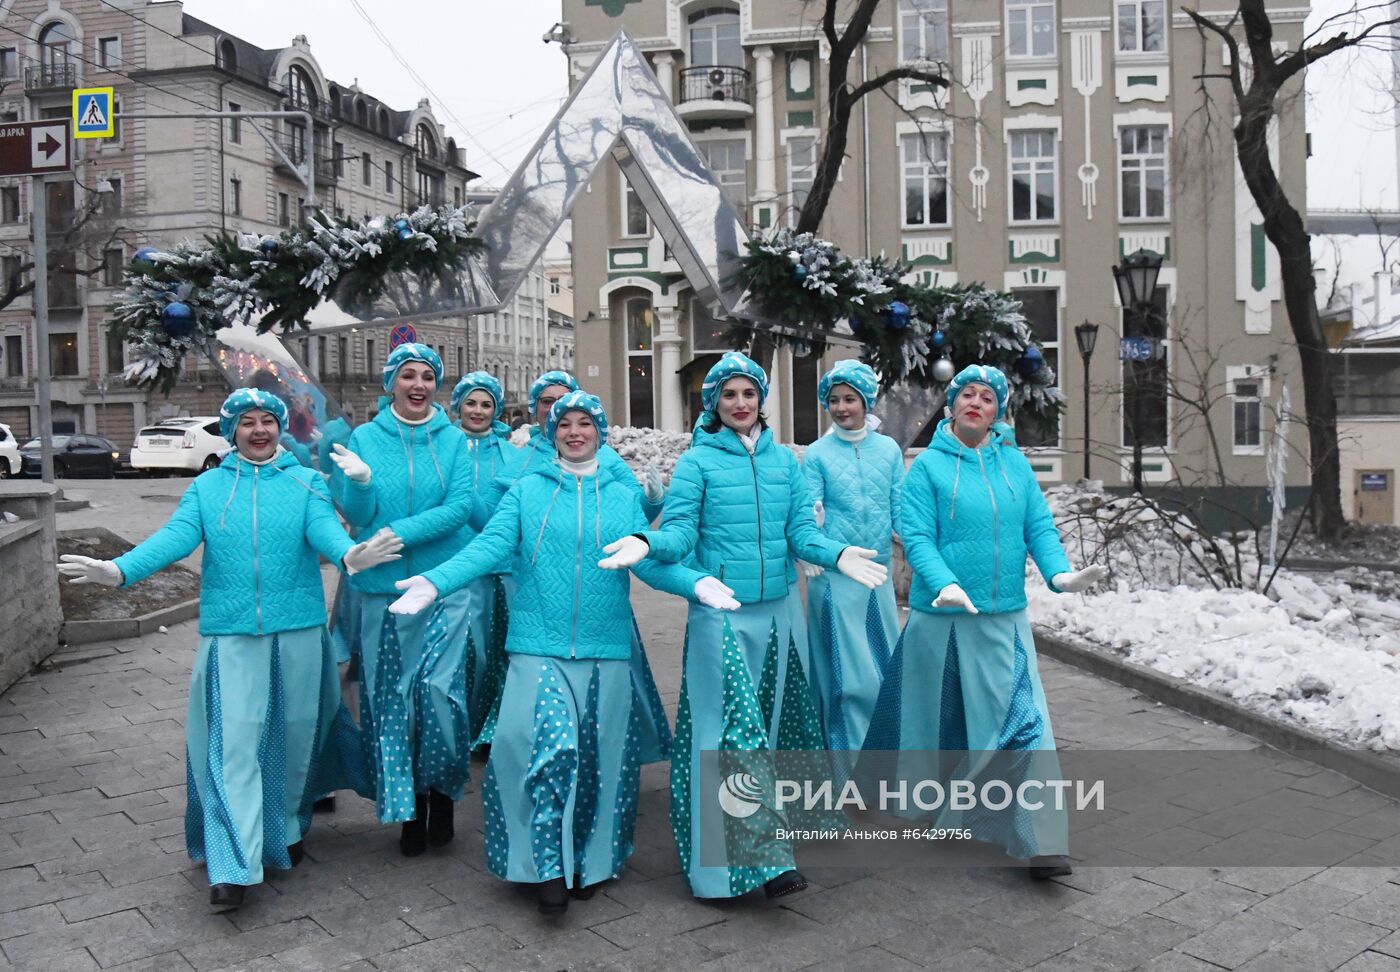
257 578
996 529
860 478
408 552
578 566
758 511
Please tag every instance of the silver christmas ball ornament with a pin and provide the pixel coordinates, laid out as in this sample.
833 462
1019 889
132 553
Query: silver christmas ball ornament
943 370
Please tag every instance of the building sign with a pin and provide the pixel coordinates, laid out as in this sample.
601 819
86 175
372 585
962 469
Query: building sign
35 148
1374 482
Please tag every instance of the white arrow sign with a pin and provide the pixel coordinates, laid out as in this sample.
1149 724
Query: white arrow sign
48 147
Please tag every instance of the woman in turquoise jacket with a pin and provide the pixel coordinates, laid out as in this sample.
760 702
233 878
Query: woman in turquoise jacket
854 474
963 677
265 691
547 389
560 790
407 474
477 403
738 506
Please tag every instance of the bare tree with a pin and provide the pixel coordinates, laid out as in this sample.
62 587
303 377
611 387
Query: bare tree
843 95
1258 76
76 251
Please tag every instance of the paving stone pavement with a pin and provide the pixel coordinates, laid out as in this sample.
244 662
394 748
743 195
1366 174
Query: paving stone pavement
93 871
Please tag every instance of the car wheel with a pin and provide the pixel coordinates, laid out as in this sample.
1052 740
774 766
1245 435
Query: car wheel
111 470
60 471
210 462
4 469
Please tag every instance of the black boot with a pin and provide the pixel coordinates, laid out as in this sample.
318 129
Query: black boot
789 882
440 830
324 805
554 897
583 891
413 839
1053 866
296 852
226 897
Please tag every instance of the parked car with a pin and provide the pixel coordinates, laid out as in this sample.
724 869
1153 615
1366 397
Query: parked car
74 455
190 444
10 461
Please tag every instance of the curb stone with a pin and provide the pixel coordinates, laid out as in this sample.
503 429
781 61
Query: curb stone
88 632
1380 773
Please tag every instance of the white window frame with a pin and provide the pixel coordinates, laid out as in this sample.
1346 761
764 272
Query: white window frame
921 16
788 137
1141 165
626 193
1011 172
945 136
116 62
14 61
693 59
1137 7
703 144
1235 377
1015 9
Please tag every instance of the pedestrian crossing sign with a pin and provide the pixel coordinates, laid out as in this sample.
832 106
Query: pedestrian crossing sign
92 113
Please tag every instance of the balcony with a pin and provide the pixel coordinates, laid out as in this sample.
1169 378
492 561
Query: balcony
50 77
715 91
320 111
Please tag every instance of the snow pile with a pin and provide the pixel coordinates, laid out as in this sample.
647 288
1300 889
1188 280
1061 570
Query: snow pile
640 446
1321 649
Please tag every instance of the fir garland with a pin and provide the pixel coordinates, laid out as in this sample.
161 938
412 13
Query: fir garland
910 332
175 302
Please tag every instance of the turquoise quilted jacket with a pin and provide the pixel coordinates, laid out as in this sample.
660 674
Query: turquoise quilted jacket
858 485
742 517
970 516
420 487
263 528
553 526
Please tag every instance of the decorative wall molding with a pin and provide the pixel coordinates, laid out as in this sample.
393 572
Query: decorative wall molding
1086 70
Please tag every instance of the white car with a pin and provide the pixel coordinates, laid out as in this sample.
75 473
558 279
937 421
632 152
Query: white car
10 462
190 444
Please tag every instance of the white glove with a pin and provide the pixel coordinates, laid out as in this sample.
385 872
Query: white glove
418 593
954 596
381 548
85 570
652 486
857 564
1075 581
712 593
350 464
819 514
625 553
809 570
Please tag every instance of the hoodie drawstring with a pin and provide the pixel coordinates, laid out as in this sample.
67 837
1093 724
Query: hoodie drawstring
237 474
597 514
957 477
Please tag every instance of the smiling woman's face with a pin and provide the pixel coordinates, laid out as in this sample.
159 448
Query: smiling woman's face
846 406
413 390
974 411
576 437
738 405
478 411
256 435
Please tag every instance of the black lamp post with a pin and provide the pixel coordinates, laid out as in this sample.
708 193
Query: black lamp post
1086 335
1136 278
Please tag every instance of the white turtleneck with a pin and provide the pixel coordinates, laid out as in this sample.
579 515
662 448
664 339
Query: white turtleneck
580 469
850 435
750 440
262 462
477 435
407 421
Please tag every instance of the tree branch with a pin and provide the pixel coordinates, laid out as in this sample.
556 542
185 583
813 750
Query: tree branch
1204 24
1300 59
895 74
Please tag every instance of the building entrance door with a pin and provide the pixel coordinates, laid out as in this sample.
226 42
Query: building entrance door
1375 496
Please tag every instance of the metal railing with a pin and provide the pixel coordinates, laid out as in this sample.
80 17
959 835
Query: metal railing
42 76
716 82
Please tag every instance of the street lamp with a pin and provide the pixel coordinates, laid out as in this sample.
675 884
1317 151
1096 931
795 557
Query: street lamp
1136 278
1086 335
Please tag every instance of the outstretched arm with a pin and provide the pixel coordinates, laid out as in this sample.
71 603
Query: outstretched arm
487 554
679 532
918 528
182 533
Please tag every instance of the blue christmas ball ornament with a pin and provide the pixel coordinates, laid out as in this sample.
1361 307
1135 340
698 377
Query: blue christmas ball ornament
146 253
269 244
800 272
401 225
405 233
938 338
897 315
857 325
1031 360
178 319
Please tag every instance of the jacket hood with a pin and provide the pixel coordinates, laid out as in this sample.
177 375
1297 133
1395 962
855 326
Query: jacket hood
944 440
727 440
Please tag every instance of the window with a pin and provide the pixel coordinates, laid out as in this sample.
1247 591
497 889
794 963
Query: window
1033 178
1041 308
366 170
300 89
116 351
1142 26
714 38
728 164
9 270
296 143
554 287
371 365
1248 417
338 159
55 48
116 119
388 176
1142 172
801 171
9 204
707 333
284 209
14 356
639 319
457 196
227 57
1030 28
9 62
361 114
1367 383
323 364
423 142
925 174
9 116
109 52
635 221
461 360
923 30
235 125
112 201
63 355
112 264
235 196
1147 380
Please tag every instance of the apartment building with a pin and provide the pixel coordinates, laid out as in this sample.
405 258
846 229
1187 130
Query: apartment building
1074 132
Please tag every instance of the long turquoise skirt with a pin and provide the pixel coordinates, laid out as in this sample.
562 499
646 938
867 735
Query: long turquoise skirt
560 788
266 734
852 630
962 699
416 677
744 693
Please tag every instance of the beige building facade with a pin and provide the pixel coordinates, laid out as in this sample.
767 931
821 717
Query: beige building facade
1074 132
173 179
